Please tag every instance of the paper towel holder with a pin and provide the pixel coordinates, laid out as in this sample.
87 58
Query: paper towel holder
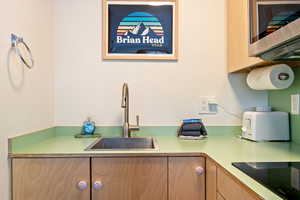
283 76
273 77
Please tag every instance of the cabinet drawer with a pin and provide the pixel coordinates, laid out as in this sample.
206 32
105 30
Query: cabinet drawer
230 189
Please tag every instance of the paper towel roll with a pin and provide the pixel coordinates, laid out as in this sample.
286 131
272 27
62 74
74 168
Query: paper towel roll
275 77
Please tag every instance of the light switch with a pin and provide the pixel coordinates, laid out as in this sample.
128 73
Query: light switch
295 178
295 109
204 107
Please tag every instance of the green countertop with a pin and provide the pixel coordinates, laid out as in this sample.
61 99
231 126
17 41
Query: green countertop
223 149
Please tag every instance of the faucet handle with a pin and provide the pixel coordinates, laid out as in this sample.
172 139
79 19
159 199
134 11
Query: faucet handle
135 127
138 120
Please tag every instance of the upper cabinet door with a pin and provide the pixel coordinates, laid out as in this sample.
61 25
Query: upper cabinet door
129 178
186 178
238 37
51 179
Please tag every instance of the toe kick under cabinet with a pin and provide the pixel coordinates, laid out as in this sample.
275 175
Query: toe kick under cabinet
103 178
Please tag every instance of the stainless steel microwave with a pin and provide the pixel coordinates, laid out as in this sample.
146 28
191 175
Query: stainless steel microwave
274 27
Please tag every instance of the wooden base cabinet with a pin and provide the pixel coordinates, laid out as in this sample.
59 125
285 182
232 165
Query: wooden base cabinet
230 189
130 178
117 178
220 197
220 185
186 178
211 180
50 179
125 178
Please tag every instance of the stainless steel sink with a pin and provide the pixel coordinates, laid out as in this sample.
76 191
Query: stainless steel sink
121 143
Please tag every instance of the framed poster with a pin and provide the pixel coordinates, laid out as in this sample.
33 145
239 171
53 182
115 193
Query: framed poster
139 30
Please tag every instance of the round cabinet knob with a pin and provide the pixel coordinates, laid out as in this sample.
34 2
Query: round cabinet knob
199 170
98 185
82 185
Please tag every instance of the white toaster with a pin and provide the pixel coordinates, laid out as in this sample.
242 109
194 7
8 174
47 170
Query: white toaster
266 126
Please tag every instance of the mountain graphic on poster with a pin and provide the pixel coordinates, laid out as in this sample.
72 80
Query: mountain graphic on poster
138 24
141 30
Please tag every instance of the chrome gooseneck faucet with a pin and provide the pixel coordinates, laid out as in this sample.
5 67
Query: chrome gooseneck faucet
127 128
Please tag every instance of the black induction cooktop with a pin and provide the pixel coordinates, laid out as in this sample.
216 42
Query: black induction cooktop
283 178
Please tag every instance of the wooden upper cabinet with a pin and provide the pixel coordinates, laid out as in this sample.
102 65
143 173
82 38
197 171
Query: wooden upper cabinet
238 37
50 179
130 178
184 181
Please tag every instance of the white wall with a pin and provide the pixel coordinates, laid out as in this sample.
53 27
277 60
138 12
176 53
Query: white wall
161 92
28 105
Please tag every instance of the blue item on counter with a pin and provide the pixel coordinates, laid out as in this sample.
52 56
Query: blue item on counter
186 121
192 128
88 127
191 133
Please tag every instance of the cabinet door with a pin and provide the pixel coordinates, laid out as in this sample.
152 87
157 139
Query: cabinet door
186 178
50 179
230 189
238 37
129 178
211 180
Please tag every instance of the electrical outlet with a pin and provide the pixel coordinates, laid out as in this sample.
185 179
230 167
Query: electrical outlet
295 100
208 105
